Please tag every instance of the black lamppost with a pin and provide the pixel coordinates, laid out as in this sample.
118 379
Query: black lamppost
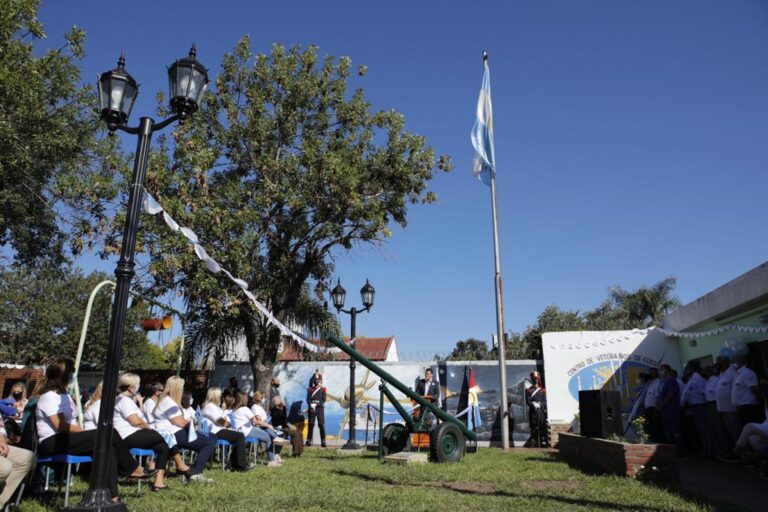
338 294
188 80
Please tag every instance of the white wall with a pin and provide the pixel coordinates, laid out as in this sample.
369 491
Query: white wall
612 360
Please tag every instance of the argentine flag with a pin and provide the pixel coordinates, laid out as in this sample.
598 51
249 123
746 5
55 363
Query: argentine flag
482 132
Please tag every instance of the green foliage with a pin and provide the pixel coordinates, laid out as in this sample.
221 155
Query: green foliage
623 309
41 316
49 170
470 349
282 168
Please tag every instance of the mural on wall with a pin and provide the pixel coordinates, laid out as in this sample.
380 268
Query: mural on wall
486 375
294 379
610 360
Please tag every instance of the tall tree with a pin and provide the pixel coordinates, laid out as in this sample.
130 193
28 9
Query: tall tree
623 309
470 349
41 316
52 169
282 168
647 305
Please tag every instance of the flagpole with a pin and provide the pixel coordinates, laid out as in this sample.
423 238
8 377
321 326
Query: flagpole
503 414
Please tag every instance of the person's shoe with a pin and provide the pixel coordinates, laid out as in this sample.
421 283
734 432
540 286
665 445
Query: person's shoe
308 443
158 489
274 464
279 441
200 478
278 458
323 445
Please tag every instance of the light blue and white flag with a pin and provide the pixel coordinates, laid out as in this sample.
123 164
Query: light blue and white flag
482 132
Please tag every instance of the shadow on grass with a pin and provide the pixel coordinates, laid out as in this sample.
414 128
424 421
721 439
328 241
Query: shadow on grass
607 505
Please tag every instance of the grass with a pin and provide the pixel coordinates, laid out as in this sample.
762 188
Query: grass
323 480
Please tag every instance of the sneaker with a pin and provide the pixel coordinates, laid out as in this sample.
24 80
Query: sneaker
278 458
274 464
200 478
279 441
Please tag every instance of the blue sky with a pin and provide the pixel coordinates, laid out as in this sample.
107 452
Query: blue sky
630 140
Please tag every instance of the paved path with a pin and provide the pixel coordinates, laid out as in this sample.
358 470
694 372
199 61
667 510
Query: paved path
732 484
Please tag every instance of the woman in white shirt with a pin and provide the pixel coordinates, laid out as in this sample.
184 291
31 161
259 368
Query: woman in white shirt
136 433
152 393
218 422
169 417
92 408
246 423
261 420
59 433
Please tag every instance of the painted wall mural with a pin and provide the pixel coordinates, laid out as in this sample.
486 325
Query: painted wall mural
294 378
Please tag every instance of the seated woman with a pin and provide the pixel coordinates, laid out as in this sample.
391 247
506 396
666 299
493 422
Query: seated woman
129 423
186 406
92 408
261 421
152 393
219 423
58 431
170 418
280 420
246 423
18 393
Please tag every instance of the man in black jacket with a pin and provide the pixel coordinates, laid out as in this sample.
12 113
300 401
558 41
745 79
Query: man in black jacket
429 387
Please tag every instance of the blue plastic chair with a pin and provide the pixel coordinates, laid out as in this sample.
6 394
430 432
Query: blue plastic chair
140 453
69 460
225 449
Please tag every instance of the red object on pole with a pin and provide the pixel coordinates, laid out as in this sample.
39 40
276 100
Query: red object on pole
156 324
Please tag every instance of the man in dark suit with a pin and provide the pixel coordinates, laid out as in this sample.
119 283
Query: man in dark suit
429 387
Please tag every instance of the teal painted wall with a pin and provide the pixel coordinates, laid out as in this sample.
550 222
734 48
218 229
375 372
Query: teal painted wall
711 345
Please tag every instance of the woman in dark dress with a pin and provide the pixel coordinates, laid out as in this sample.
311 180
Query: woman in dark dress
536 399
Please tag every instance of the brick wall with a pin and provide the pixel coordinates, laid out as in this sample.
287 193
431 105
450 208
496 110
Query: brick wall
555 429
613 457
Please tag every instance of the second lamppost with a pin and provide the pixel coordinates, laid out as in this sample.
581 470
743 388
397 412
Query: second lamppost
338 294
188 80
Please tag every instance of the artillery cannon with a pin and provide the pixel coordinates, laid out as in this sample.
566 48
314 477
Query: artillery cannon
449 440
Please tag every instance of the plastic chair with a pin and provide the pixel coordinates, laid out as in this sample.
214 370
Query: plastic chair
225 449
255 444
140 453
69 460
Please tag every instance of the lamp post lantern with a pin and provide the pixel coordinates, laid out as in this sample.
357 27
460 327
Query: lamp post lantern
188 80
338 294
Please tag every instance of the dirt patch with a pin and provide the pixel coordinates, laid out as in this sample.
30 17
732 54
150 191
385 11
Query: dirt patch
552 485
470 488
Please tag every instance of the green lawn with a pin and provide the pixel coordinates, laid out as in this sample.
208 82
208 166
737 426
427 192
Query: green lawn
323 480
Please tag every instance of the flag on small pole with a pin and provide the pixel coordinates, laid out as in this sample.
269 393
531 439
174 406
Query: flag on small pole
484 167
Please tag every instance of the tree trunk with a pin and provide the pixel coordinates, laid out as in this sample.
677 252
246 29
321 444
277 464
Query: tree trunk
262 346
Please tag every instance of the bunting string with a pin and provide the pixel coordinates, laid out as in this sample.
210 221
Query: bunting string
152 207
667 332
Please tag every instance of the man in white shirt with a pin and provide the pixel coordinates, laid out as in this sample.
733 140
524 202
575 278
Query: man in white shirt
653 387
744 393
693 398
15 465
725 406
718 436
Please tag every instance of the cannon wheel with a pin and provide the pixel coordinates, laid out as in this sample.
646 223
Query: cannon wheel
446 443
395 438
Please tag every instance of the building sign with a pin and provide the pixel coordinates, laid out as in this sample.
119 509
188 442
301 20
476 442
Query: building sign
612 360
